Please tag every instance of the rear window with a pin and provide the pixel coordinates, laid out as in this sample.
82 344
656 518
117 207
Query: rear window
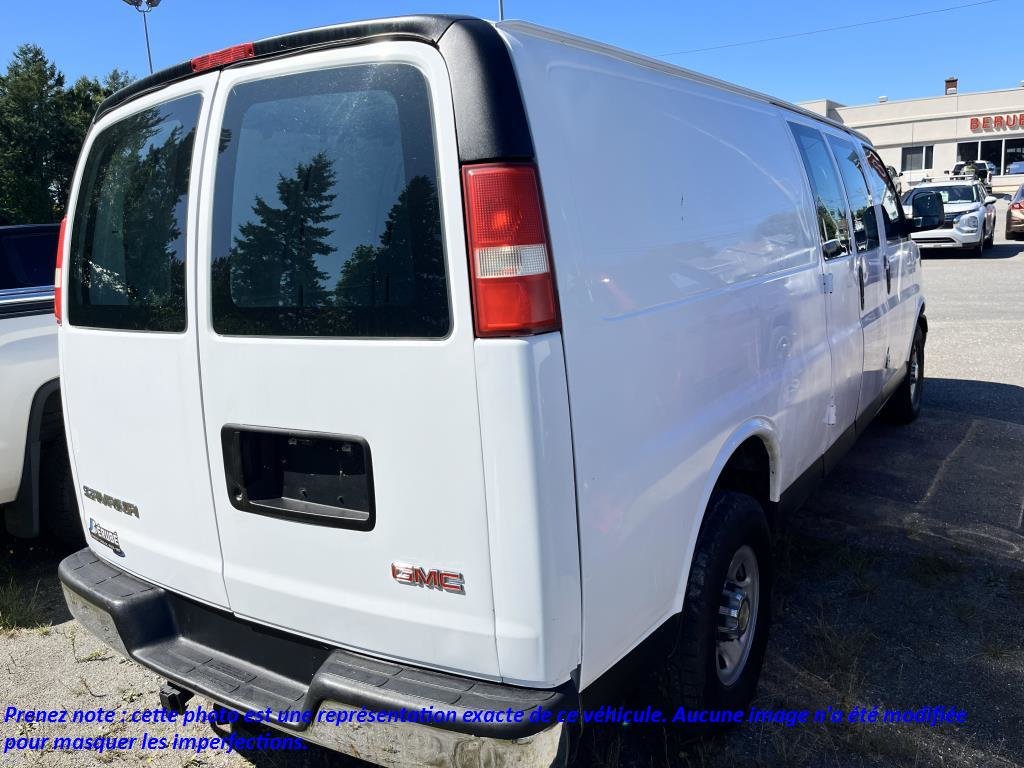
127 259
326 215
27 258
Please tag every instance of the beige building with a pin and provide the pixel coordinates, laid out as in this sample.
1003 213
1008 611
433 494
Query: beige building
925 137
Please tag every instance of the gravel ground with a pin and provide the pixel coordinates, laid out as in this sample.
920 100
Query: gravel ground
901 585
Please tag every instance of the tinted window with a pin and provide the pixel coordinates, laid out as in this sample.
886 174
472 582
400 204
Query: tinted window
917 158
829 199
127 254
963 193
27 258
865 224
326 217
966 151
884 193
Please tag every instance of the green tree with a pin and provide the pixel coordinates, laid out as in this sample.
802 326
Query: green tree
273 259
42 125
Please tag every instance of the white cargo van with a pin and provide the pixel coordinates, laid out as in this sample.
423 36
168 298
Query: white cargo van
430 364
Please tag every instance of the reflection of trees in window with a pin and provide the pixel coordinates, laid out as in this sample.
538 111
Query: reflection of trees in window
405 272
833 225
273 259
135 248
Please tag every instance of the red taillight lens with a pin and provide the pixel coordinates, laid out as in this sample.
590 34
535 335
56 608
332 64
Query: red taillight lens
1019 206
58 272
221 58
510 266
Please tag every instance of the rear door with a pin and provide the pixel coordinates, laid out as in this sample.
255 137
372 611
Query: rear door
130 379
336 354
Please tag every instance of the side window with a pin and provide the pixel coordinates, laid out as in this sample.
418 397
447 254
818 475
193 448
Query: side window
127 258
829 199
26 259
865 223
884 193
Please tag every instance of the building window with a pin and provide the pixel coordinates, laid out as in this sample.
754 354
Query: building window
992 152
966 151
917 158
1014 152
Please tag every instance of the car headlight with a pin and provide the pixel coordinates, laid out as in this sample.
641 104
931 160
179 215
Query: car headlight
967 223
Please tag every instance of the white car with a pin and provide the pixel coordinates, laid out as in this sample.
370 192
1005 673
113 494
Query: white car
970 216
413 368
36 495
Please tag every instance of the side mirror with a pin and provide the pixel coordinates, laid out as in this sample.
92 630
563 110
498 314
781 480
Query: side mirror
990 200
928 211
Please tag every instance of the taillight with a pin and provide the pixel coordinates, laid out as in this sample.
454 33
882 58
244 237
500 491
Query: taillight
58 271
509 259
223 58
1018 206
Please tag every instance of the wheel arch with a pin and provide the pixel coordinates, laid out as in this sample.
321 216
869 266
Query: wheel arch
21 517
747 462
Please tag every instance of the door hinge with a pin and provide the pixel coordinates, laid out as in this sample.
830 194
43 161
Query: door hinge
827 281
830 412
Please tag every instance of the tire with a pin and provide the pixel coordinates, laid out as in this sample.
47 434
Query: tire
974 249
905 404
989 241
698 678
58 507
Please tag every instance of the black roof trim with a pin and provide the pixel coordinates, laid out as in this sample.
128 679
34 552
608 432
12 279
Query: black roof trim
490 118
428 28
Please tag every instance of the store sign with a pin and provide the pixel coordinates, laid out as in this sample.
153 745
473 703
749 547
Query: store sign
997 122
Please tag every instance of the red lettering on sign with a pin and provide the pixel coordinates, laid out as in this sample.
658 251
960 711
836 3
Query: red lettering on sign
975 124
997 121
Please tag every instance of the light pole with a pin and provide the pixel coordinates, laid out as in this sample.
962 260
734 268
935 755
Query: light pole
144 7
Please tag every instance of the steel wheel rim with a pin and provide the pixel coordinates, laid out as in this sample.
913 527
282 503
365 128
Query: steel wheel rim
737 615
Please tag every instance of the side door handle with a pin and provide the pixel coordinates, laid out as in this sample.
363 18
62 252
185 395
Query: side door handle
888 274
860 279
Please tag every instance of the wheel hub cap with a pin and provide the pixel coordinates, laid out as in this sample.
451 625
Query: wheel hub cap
737 615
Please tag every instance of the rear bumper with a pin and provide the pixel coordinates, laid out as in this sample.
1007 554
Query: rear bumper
247 667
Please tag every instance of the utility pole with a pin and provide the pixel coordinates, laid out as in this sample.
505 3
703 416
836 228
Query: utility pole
501 10
144 7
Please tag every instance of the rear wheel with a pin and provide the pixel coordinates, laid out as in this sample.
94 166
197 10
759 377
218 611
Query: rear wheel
724 624
905 404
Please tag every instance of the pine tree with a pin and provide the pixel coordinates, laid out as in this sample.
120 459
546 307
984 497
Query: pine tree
274 257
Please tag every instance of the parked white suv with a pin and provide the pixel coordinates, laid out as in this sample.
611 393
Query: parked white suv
970 216
36 494
414 365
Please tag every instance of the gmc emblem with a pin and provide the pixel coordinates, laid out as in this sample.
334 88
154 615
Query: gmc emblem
417 576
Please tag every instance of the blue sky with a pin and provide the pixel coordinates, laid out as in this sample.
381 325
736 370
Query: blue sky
899 59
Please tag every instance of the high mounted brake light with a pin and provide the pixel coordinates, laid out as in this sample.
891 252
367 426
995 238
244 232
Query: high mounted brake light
223 57
509 260
58 271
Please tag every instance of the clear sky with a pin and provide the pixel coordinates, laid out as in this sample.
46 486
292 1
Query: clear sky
900 59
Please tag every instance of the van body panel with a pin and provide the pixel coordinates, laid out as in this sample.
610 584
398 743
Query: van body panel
412 400
679 322
133 408
531 507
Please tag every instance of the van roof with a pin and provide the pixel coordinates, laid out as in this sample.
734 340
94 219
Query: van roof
430 28
664 66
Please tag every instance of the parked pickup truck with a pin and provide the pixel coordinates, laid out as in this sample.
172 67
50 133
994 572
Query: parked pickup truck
35 479
416 366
